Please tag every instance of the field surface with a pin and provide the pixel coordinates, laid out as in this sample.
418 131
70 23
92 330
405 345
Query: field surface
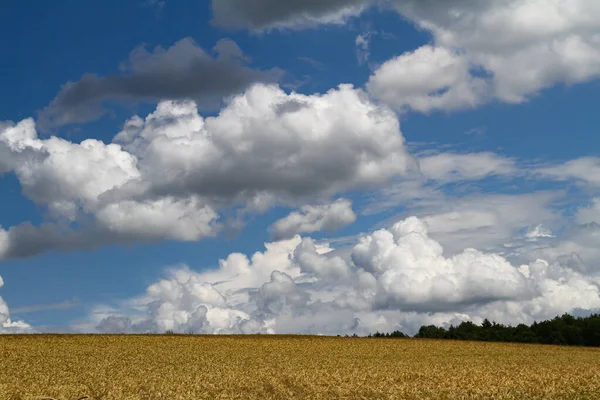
288 367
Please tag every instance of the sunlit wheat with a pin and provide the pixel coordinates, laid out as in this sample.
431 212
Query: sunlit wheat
181 367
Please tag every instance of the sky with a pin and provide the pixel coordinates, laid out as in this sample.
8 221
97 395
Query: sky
314 167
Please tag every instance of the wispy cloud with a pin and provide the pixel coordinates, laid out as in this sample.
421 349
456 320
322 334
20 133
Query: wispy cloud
64 305
314 63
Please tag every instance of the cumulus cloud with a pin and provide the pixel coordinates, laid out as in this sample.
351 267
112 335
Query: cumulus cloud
6 324
395 278
168 176
513 37
429 78
69 179
328 218
60 173
183 71
506 50
268 142
414 275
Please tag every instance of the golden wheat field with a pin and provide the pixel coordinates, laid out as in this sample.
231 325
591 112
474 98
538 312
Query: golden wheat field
289 367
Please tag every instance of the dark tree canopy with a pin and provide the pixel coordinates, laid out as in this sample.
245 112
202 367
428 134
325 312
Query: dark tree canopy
563 330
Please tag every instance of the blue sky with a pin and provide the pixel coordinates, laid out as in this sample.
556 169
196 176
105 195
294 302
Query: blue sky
505 157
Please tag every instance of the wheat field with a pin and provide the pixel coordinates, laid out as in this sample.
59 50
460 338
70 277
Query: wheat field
69 367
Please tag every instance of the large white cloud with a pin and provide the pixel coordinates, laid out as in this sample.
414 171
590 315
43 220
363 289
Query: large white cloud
167 176
482 50
413 273
268 142
61 174
395 278
508 50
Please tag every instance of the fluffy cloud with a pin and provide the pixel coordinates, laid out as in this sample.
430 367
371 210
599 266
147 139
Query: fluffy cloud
8 326
426 79
62 174
507 50
168 175
414 275
328 218
396 278
183 71
70 178
504 49
267 143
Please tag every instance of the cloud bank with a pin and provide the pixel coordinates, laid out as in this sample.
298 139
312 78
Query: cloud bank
396 278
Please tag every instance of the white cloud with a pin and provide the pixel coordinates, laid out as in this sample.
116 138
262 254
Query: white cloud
328 218
167 176
527 45
485 221
65 175
269 142
507 50
6 324
451 167
429 78
178 219
395 278
584 170
425 190
414 275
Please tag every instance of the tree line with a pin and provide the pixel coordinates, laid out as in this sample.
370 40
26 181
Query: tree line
563 330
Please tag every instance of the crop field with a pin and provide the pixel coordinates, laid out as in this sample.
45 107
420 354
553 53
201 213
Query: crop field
289 367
